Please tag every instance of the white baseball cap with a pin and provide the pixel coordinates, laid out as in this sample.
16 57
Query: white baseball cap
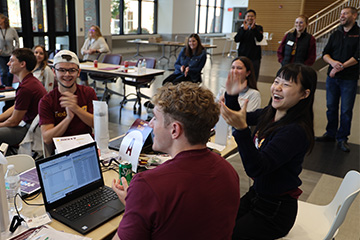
66 56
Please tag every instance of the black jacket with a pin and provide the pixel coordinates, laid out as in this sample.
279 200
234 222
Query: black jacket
341 47
248 47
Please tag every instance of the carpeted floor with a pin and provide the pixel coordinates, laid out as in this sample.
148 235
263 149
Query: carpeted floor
327 158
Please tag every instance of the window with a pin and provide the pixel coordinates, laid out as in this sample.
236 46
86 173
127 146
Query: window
209 14
133 16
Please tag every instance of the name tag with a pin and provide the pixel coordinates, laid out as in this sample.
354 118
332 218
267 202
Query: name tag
290 43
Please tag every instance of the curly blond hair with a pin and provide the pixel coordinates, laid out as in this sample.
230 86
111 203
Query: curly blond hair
193 106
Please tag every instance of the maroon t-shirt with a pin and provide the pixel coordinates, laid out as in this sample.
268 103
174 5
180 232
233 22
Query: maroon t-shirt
193 196
51 112
28 95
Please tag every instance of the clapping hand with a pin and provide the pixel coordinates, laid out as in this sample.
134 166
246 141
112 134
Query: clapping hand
237 119
234 84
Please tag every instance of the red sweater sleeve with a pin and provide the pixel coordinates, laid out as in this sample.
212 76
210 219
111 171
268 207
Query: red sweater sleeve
280 51
311 52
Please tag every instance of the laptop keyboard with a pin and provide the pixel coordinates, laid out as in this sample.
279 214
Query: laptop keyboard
84 205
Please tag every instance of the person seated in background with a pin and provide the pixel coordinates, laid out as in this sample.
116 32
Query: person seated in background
194 195
94 45
15 121
273 156
189 63
243 70
42 71
298 46
68 109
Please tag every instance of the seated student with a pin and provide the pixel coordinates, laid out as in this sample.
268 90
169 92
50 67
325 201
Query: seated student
273 156
28 95
196 194
67 110
189 63
243 70
42 71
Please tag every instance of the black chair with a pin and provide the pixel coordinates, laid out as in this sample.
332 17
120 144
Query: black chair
107 78
139 83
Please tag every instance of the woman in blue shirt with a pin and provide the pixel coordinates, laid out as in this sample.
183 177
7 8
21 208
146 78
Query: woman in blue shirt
190 62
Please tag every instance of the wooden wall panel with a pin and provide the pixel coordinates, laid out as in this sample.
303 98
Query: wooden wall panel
278 16
311 6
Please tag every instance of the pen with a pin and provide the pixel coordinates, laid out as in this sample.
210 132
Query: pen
47 238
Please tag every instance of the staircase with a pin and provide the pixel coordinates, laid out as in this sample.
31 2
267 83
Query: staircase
323 23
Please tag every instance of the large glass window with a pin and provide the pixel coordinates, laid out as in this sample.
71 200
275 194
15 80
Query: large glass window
133 16
208 18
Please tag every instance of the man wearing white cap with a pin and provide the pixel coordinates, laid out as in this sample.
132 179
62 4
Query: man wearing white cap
67 110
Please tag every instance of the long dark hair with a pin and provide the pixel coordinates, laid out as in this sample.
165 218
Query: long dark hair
302 113
251 80
199 48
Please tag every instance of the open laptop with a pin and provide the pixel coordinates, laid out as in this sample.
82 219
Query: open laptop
69 177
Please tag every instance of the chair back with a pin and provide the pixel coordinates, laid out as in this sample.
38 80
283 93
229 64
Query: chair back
150 62
339 206
22 162
112 59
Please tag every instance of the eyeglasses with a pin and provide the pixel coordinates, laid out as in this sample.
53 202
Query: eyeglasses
64 70
91 30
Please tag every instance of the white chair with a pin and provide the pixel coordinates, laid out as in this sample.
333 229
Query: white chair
230 39
315 222
21 162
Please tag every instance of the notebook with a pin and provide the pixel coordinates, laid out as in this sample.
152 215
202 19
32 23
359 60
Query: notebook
70 180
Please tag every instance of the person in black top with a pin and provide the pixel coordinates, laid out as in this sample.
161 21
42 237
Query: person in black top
274 154
247 35
342 54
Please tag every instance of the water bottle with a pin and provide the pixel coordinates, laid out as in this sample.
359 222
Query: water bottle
139 67
143 66
12 186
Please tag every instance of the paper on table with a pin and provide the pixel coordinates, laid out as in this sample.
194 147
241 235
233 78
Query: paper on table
215 146
63 144
52 234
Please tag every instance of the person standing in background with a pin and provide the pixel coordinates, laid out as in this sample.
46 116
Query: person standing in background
298 46
94 45
342 54
42 71
8 38
248 34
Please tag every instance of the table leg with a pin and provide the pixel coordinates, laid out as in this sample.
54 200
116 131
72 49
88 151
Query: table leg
137 51
172 53
163 54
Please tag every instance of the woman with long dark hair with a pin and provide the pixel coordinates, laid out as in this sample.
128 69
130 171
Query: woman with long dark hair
42 71
189 63
243 69
273 156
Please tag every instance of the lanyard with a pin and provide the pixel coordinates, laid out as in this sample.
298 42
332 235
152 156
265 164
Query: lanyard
2 33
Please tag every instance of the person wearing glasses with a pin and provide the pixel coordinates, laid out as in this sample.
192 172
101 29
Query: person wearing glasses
94 45
16 120
67 110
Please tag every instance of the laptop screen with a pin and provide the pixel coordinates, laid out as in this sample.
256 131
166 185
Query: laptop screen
65 173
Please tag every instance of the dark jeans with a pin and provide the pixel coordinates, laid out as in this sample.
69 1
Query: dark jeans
345 90
83 76
178 78
263 218
256 64
6 76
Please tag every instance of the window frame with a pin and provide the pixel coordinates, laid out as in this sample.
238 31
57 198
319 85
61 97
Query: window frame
218 4
139 29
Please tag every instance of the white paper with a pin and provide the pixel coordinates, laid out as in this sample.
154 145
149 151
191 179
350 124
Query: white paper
52 234
63 144
130 148
101 126
215 146
221 130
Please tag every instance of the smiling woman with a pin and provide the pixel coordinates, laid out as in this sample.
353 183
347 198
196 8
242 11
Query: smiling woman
273 157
